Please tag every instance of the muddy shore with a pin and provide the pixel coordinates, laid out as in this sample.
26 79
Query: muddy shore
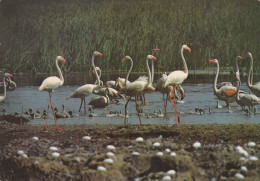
218 158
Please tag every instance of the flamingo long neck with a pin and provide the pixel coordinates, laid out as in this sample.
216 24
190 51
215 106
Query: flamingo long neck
148 71
127 76
237 69
250 74
60 73
238 88
94 68
216 79
152 77
184 62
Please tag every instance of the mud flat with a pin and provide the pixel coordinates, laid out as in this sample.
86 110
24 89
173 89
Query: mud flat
25 152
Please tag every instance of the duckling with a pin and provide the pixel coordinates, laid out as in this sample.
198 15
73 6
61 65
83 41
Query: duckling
73 114
37 115
199 111
160 115
44 114
59 114
65 112
91 113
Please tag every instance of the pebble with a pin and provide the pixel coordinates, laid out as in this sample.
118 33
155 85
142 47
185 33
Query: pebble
35 138
159 153
53 148
101 168
20 152
253 158
109 161
24 155
243 168
86 138
251 143
36 162
166 178
139 139
135 153
55 154
111 147
173 154
156 144
171 172
167 150
110 154
196 144
239 175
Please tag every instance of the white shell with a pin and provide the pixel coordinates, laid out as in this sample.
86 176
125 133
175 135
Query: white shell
110 154
111 147
243 168
167 150
20 152
135 153
101 168
139 139
159 153
24 155
55 154
86 138
171 172
166 178
239 175
109 161
53 148
35 138
196 144
251 143
173 154
253 158
156 144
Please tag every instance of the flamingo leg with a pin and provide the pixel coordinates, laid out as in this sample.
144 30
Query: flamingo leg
176 108
85 107
48 112
174 105
165 105
126 108
137 109
56 123
80 105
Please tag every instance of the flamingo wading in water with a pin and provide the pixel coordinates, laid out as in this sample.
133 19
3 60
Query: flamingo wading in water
50 84
176 78
6 75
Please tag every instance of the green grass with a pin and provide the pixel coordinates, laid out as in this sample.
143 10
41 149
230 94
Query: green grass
34 32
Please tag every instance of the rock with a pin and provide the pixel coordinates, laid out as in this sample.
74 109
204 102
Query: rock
101 168
159 153
139 139
156 144
109 161
20 152
35 138
196 144
251 144
135 153
111 147
171 172
53 148
87 138
166 178
55 154
239 176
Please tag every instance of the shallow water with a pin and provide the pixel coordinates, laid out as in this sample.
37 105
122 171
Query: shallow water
197 95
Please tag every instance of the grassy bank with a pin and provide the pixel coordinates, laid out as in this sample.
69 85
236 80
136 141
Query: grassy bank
34 32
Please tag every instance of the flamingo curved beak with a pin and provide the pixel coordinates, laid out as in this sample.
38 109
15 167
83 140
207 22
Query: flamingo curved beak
63 59
189 50
154 58
240 58
123 59
100 54
211 61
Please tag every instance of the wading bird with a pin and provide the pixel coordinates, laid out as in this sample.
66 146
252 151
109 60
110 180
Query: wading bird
50 84
87 89
2 98
176 78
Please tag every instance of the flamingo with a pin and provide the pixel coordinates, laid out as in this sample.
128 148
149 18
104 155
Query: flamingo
176 78
98 70
50 84
2 98
255 88
10 85
225 93
137 87
87 89
100 101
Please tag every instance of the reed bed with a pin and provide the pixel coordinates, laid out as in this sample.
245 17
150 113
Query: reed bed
34 32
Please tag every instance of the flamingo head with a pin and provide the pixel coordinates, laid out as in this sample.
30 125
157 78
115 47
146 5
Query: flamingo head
185 47
96 53
213 61
248 54
150 57
240 58
60 58
125 58
8 75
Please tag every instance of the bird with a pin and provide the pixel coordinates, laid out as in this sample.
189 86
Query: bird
199 110
225 93
2 98
59 114
50 84
137 87
176 78
10 85
65 112
87 89
99 101
98 70
255 88
110 83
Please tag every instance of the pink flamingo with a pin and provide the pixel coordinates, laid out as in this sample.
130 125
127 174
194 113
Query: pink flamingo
50 84
176 78
6 75
137 87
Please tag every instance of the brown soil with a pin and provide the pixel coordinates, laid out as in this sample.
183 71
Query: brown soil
217 159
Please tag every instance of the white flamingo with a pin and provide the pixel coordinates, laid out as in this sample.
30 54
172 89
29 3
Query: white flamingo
137 87
176 78
50 84
100 101
255 88
225 93
99 75
2 98
87 89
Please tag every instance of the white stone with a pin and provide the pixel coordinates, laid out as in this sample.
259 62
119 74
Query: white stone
196 144
135 153
111 147
139 139
251 143
101 168
173 154
253 158
239 176
243 152
109 161
159 153
110 154
24 155
243 158
87 138
20 152
35 138
171 172
166 178
55 154
243 168
239 148
53 148
36 162
156 144
167 150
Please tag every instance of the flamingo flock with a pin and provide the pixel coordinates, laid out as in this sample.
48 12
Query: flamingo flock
170 84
